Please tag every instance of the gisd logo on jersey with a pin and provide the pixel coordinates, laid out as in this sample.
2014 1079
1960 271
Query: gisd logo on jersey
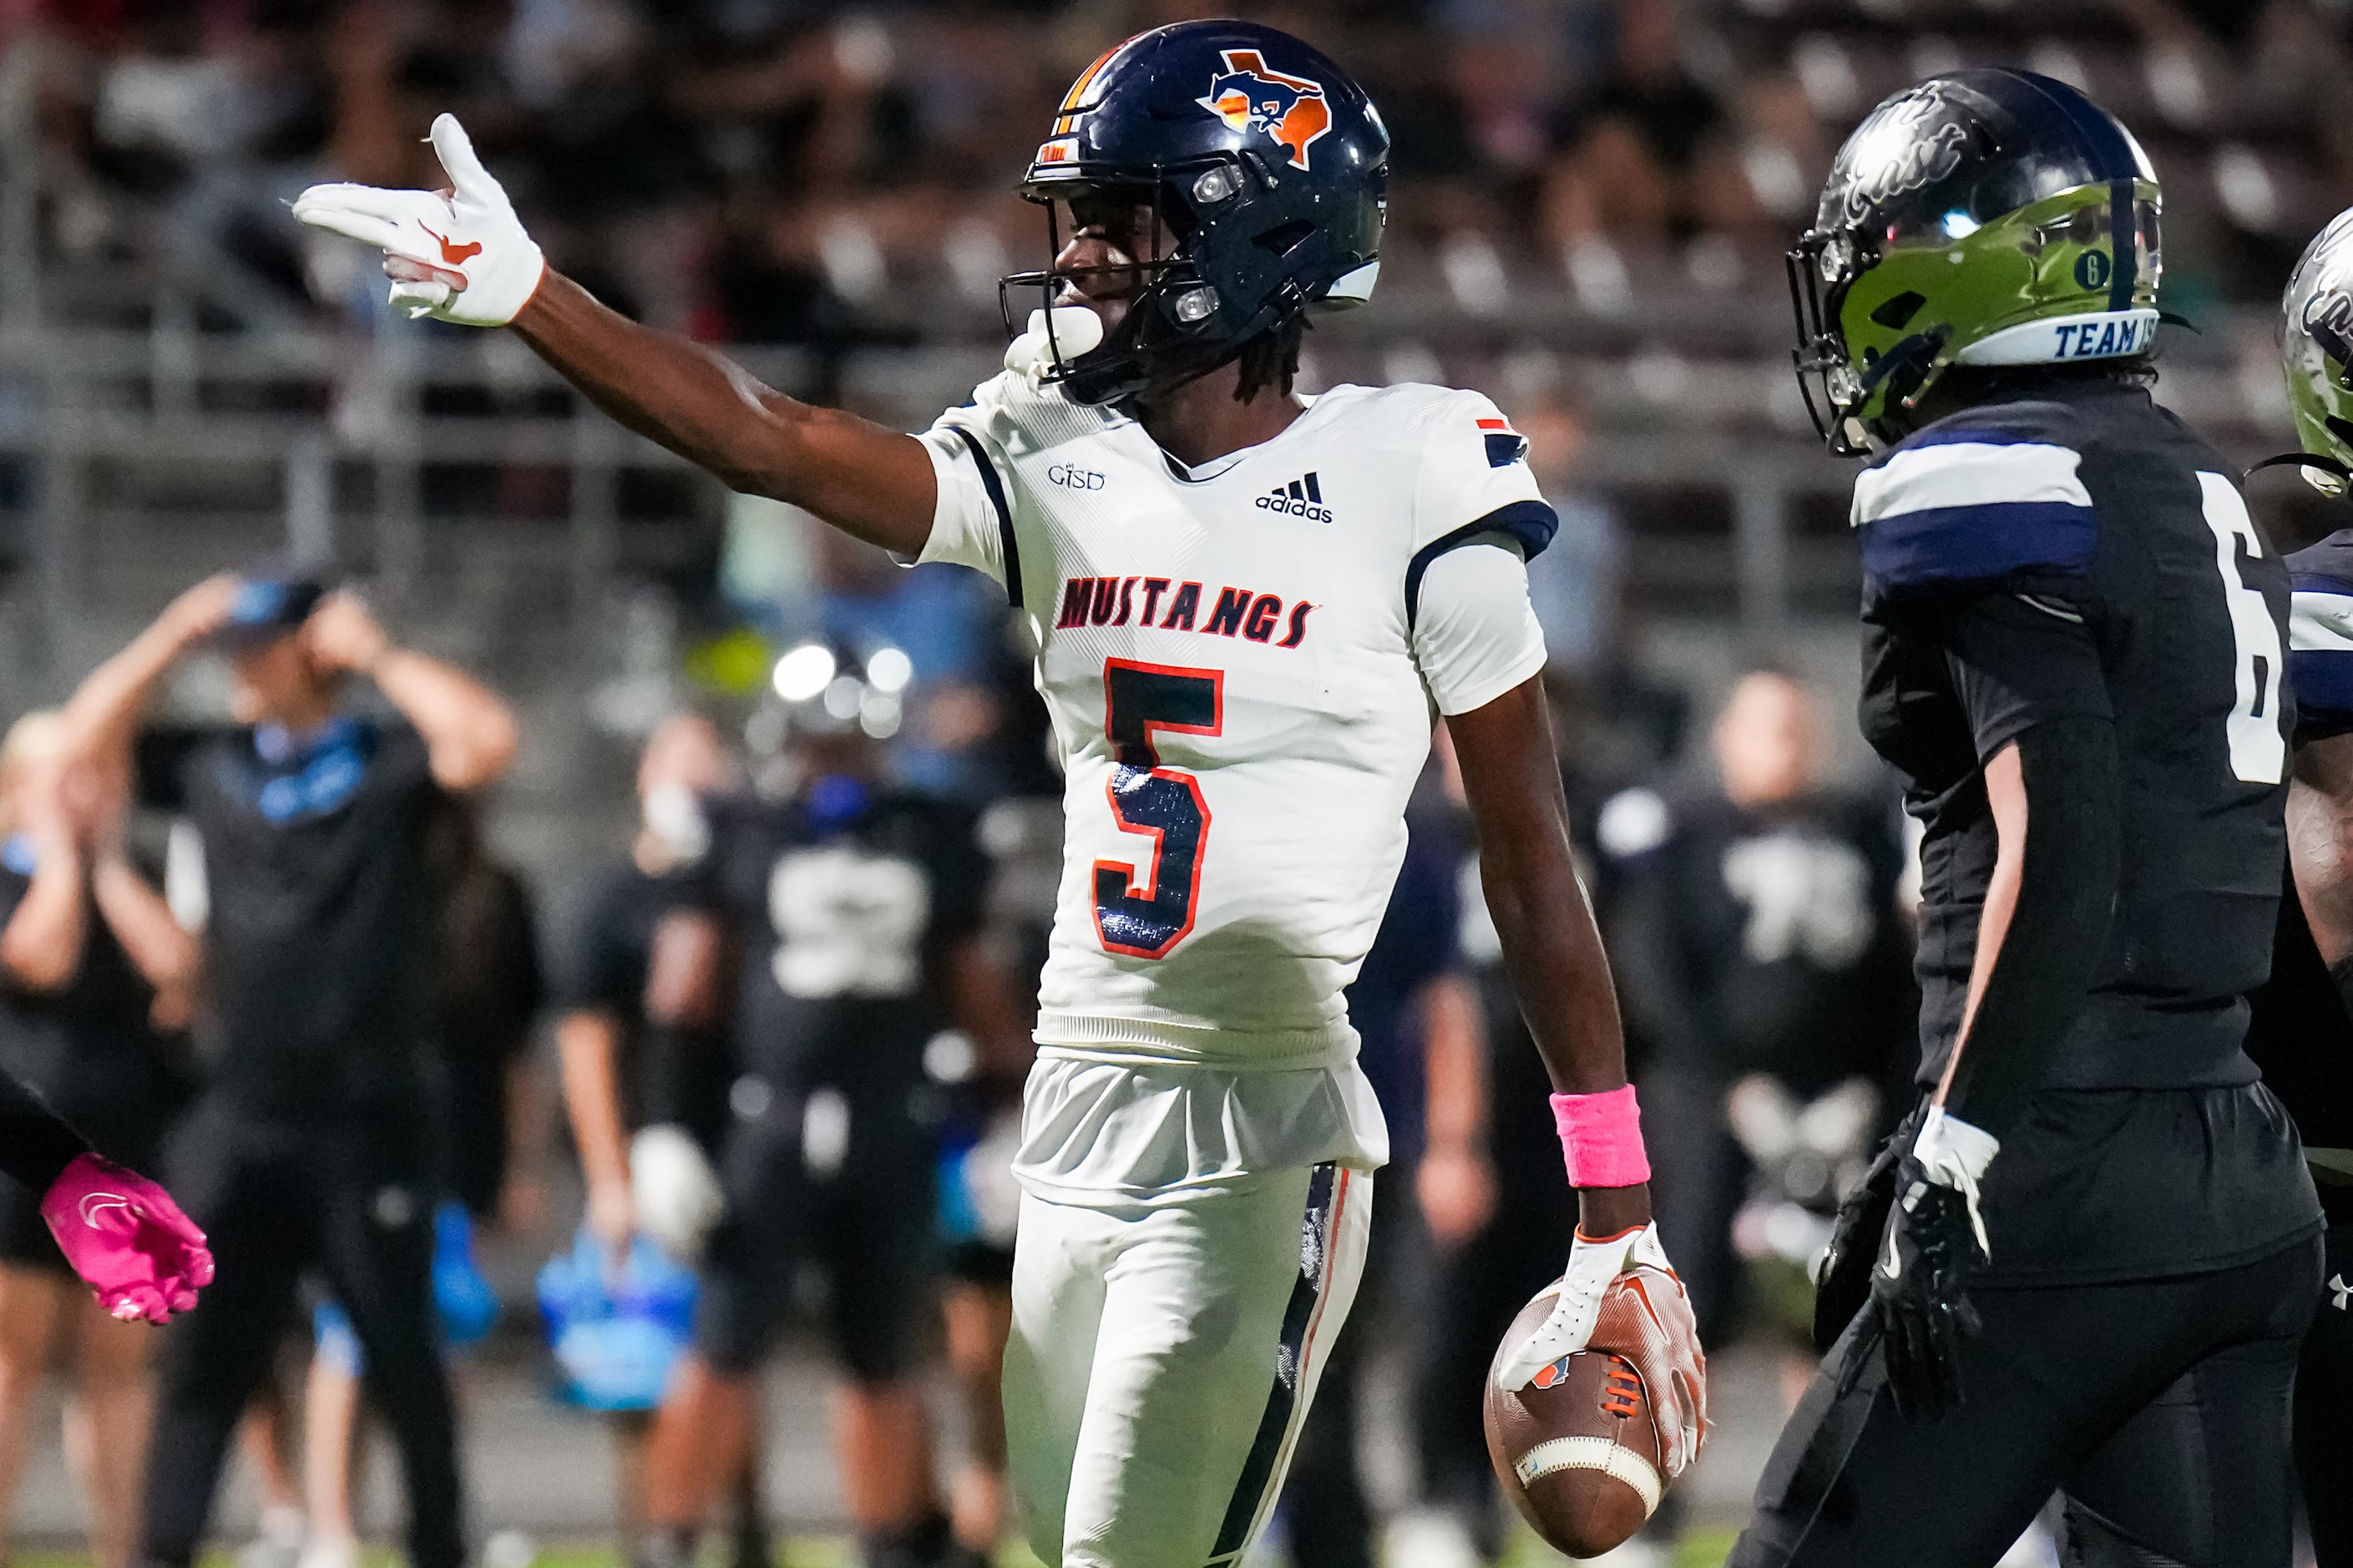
1251 96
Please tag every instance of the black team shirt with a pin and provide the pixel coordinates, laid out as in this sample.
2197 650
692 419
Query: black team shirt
88 1048
319 945
613 952
2089 557
847 902
1767 940
41 1036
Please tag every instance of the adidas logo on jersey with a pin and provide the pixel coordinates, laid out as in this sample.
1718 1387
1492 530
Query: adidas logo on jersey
1301 498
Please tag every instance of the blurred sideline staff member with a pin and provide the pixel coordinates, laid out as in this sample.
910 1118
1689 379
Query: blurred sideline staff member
94 974
1756 931
1423 1046
857 907
636 974
486 995
313 1147
1480 1283
980 1200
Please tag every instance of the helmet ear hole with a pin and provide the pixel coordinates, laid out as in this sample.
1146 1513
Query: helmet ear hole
1898 310
2341 428
1285 239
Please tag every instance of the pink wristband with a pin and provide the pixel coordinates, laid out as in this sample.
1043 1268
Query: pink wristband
1601 1134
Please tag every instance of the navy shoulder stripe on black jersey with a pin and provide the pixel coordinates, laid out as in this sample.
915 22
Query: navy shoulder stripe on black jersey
2320 640
1973 503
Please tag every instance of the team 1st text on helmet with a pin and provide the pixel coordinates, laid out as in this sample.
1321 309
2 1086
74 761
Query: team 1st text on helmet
1264 162
1982 218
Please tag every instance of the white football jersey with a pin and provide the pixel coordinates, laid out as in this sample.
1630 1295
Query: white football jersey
1241 665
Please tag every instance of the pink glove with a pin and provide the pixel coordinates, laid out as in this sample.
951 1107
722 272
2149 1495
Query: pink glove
125 1235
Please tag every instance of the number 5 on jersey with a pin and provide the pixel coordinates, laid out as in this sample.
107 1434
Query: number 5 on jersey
1145 911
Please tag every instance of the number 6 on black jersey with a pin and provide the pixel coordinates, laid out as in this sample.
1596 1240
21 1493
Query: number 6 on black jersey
1143 911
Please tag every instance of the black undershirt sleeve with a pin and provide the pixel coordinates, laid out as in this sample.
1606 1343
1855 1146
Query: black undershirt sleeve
2029 672
35 1143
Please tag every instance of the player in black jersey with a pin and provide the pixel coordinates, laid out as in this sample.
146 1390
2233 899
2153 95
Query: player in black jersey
854 908
632 999
625 1010
2302 1030
2087 1263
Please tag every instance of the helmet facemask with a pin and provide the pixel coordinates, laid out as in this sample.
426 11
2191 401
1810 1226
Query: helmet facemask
1819 269
1164 337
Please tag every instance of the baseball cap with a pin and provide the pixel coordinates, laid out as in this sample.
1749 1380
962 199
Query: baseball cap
268 605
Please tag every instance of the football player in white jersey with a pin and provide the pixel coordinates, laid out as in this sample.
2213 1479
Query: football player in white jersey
1249 607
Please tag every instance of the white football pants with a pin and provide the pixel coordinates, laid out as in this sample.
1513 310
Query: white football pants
1161 1364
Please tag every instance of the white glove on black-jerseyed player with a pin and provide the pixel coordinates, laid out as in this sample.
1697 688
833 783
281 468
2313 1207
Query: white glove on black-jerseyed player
677 1195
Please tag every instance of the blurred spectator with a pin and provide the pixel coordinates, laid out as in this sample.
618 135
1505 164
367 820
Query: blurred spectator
96 980
980 1202
1483 1275
488 994
313 1146
1421 1044
1577 582
1759 947
1630 149
831 179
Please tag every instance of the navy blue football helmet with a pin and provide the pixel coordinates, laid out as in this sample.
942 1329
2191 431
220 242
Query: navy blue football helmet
1263 158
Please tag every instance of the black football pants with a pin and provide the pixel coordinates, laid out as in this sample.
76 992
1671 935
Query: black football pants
2323 1408
2159 1407
354 1203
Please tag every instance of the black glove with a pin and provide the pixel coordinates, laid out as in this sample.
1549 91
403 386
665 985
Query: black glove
1843 1281
1920 1310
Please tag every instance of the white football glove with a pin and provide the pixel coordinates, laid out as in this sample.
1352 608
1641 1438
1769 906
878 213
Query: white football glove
677 1197
1649 1324
460 257
1076 330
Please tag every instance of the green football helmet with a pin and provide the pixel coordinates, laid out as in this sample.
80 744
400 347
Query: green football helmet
1983 218
2315 345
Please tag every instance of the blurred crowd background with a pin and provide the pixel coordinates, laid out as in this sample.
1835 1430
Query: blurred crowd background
1589 204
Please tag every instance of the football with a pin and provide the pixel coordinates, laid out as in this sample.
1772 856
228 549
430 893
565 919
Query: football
1578 1449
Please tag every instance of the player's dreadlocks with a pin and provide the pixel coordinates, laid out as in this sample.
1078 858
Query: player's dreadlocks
1270 359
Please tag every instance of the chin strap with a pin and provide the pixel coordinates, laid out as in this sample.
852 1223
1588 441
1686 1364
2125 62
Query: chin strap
2326 465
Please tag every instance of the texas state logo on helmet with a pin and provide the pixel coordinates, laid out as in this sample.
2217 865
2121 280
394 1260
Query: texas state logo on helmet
1266 160
1250 96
